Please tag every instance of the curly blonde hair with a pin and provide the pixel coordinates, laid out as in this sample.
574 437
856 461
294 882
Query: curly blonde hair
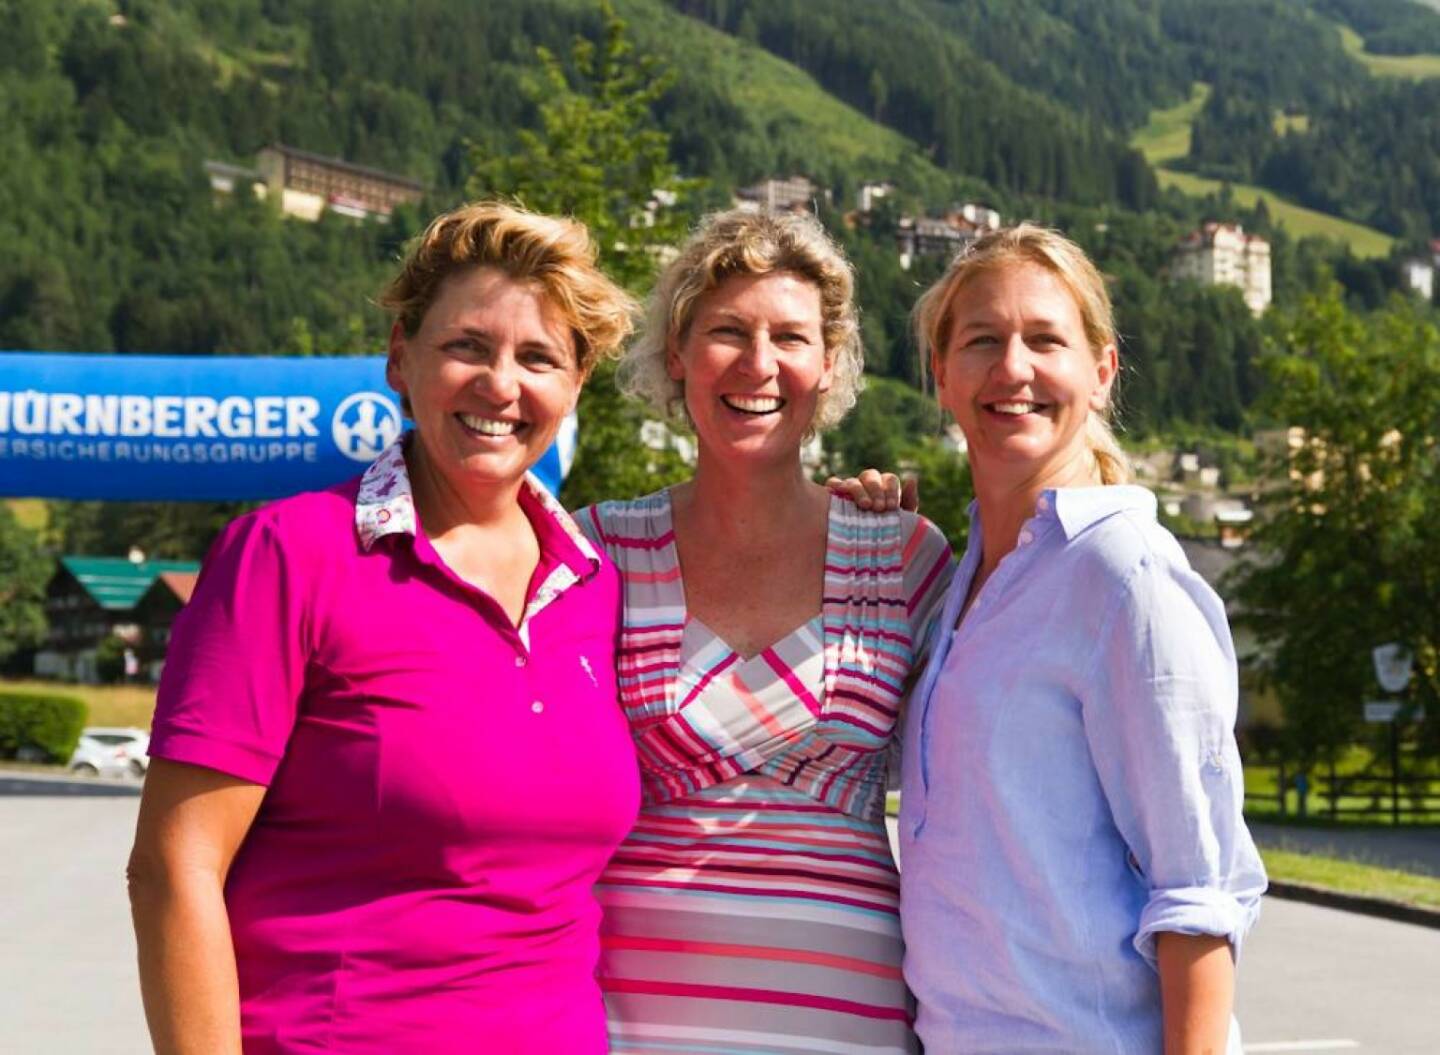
556 253
1031 244
747 242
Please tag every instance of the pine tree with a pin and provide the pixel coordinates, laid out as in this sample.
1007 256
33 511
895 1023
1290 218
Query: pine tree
600 157
24 572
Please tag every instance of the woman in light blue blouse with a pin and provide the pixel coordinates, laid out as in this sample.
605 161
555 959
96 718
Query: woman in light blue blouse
1076 873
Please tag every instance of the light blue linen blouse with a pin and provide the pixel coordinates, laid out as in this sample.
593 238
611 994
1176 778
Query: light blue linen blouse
1071 787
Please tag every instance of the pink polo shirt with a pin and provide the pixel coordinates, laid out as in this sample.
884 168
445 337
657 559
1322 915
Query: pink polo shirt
443 787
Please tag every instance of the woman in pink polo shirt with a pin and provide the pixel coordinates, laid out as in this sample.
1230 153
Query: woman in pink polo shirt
388 760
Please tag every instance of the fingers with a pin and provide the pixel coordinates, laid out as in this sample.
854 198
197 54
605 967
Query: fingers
872 490
887 496
910 493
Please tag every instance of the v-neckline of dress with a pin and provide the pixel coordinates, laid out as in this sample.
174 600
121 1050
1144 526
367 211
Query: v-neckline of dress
815 624
817 621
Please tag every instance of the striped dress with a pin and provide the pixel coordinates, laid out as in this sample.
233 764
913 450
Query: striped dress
755 906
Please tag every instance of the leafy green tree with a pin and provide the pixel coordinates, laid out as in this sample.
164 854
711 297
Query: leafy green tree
600 156
888 420
168 530
1349 539
946 488
896 427
24 572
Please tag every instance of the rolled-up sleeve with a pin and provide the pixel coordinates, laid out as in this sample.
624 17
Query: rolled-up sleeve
1159 710
235 666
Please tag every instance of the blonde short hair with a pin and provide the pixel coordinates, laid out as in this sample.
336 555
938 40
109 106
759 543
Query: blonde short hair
556 253
747 242
1030 244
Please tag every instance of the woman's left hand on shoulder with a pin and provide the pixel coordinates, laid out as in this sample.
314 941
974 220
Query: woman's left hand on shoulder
880 492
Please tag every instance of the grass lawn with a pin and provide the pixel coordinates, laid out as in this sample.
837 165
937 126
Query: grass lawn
1415 67
1262 800
1351 878
1287 123
1166 138
31 512
776 94
130 705
1298 220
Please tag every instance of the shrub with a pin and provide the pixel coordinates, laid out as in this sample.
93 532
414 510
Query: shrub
50 723
110 659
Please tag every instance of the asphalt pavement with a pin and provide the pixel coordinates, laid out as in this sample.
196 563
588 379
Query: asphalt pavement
1312 979
67 955
1317 979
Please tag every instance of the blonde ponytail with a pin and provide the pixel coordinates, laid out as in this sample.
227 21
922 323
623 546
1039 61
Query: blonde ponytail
1111 461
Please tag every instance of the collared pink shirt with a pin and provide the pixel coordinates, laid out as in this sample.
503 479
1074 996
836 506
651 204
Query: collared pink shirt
443 786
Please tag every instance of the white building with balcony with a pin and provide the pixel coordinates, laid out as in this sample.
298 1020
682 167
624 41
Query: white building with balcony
1222 254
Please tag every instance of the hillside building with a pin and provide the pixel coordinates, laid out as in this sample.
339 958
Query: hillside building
974 217
1222 254
928 236
225 177
796 194
307 181
92 598
1418 276
871 194
307 185
945 236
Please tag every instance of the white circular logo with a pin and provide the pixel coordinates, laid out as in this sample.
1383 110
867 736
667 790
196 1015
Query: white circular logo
364 425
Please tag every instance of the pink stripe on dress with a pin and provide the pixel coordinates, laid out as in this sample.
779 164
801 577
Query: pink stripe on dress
761 841
772 996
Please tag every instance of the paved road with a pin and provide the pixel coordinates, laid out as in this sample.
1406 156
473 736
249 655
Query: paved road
67 958
1408 849
1314 980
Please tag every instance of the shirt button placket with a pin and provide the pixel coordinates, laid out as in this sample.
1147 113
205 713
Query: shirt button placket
522 663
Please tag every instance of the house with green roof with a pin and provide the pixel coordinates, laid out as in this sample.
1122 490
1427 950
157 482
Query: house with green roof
93 599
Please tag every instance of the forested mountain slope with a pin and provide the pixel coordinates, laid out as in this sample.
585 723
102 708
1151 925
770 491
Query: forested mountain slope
113 239
1366 151
110 109
117 243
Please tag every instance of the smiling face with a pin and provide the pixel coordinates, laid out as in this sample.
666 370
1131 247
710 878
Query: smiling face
753 363
1020 377
490 375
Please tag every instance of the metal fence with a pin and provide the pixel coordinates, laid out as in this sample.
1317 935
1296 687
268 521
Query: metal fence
1377 793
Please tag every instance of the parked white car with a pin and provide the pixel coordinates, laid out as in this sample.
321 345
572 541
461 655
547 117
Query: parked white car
111 752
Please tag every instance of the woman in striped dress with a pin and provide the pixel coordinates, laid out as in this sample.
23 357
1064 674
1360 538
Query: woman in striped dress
769 629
